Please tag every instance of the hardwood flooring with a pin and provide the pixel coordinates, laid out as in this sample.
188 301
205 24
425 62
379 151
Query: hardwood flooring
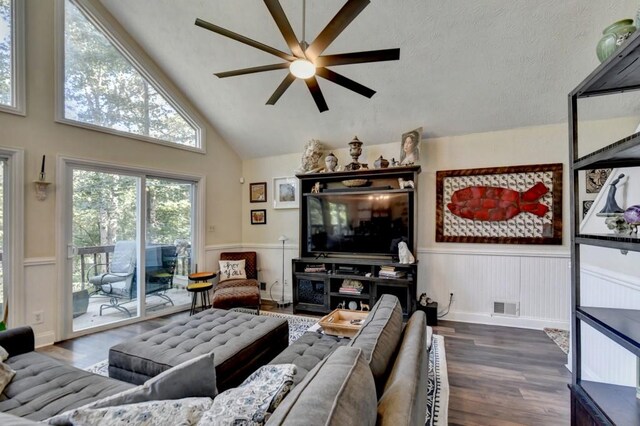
498 376
501 376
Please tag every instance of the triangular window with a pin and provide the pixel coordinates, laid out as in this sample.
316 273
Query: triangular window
102 88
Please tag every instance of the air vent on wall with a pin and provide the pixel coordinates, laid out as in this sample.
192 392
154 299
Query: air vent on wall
506 308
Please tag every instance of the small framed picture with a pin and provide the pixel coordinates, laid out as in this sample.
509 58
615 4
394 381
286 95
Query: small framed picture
410 147
259 217
285 193
258 192
586 205
595 180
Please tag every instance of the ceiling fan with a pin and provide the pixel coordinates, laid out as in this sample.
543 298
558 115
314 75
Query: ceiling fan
306 60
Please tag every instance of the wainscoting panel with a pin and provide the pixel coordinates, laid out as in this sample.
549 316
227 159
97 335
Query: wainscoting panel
538 282
41 296
602 359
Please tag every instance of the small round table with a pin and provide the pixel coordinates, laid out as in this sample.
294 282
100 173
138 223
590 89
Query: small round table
200 285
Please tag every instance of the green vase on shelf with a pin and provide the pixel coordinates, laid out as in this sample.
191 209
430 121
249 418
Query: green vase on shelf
614 35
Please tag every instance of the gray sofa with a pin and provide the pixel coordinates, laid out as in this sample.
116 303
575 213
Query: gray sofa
378 377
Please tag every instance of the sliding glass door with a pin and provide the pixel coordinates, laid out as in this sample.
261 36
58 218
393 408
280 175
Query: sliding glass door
130 245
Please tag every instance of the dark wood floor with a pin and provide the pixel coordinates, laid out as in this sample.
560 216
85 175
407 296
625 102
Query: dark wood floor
498 376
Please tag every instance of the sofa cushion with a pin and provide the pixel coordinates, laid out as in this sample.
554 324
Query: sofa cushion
241 343
193 378
404 400
379 336
44 387
254 400
306 352
339 391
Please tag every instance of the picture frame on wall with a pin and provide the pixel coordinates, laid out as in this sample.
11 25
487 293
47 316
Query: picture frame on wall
285 193
258 192
595 179
503 205
410 147
259 217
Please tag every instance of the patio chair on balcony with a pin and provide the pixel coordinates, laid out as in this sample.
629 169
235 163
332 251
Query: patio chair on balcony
117 281
114 280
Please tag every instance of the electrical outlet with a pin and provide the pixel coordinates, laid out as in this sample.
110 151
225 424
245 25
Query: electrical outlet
263 286
38 317
212 228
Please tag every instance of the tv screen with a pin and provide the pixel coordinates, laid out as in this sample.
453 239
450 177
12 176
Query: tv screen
358 223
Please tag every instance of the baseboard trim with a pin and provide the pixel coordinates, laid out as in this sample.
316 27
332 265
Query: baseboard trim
47 338
518 322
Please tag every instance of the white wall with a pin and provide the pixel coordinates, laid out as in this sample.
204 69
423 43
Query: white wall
38 135
537 277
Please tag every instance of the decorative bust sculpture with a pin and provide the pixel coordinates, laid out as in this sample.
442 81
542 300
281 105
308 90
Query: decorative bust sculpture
310 157
330 162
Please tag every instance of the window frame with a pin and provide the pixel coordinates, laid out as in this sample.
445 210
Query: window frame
138 60
17 60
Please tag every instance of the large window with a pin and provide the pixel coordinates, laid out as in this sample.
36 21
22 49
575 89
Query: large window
104 88
11 56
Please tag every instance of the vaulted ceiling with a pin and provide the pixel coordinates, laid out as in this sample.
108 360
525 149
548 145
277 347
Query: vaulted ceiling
465 66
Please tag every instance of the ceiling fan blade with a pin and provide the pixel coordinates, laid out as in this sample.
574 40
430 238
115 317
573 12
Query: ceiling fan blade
314 88
358 57
281 89
343 18
252 70
242 39
345 82
285 27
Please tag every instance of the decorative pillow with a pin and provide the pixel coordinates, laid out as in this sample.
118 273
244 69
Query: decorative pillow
254 400
3 354
6 375
193 378
179 412
232 270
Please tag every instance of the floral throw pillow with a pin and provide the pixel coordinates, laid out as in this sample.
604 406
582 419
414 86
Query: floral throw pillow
177 412
251 403
232 270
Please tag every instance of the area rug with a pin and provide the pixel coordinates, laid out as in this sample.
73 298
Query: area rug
559 337
437 385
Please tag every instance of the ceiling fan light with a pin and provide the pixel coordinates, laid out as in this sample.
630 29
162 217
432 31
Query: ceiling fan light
302 68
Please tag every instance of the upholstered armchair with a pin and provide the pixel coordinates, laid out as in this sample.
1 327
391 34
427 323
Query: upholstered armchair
234 293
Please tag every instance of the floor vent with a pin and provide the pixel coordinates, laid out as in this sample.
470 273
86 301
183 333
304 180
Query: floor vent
505 308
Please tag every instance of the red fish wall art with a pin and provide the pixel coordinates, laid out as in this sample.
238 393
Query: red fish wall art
495 204
519 204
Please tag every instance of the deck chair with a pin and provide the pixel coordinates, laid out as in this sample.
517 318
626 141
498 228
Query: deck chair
116 279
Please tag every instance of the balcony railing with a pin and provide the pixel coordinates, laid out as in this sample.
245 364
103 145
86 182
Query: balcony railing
90 256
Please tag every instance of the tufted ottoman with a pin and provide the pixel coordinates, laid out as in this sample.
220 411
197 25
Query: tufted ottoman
240 342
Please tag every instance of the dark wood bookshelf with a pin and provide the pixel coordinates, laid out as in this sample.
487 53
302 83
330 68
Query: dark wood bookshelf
620 325
595 403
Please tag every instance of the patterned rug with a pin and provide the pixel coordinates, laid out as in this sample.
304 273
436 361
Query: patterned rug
437 379
559 337
437 385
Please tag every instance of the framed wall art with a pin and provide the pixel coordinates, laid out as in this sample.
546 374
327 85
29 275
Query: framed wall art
259 217
285 193
410 147
595 179
258 192
504 205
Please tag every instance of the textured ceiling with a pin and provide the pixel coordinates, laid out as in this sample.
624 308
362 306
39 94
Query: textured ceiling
465 66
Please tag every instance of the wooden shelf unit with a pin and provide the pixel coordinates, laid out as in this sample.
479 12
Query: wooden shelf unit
318 292
594 403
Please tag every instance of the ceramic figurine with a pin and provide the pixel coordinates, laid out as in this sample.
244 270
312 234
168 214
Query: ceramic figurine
330 162
310 157
381 163
364 306
315 189
405 254
611 208
406 183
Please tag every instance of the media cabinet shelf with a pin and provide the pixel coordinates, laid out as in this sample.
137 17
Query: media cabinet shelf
358 242
595 403
318 292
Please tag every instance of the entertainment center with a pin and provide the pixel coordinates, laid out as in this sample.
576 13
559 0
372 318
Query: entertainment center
349 239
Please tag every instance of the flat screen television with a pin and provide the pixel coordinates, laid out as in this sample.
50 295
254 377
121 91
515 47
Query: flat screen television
371 224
